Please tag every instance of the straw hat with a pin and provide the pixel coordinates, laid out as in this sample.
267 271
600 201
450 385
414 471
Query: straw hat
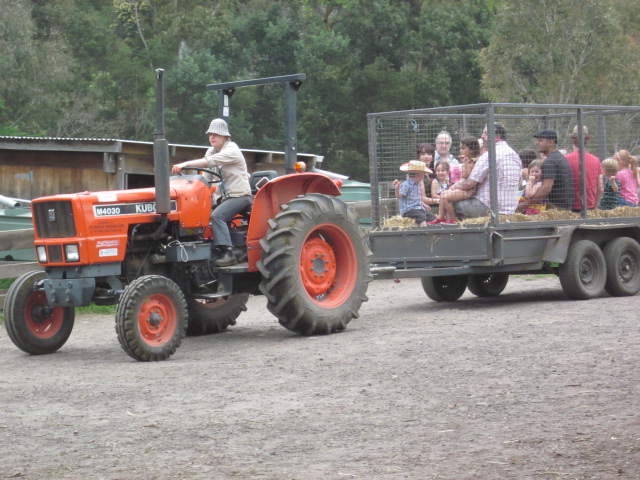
219 126
414 166
585 131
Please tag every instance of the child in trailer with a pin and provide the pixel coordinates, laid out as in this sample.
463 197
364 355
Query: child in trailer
628 176
413 201
534 183
612 186
442 181
469 153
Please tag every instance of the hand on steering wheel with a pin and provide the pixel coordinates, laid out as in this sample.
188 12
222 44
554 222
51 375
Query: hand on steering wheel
217 178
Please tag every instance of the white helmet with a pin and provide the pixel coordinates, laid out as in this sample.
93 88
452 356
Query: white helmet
219 126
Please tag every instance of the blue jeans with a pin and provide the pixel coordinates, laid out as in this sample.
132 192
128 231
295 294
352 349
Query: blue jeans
223 214
625 203
471 208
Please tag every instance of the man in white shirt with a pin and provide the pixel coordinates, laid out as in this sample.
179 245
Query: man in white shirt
509 171
236 191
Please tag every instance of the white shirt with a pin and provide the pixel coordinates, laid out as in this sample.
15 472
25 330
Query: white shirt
233 168
509 169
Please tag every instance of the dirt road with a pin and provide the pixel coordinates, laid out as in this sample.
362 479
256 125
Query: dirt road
530 385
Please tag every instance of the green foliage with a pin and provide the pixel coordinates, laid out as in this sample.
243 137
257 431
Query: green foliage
569 51
85 68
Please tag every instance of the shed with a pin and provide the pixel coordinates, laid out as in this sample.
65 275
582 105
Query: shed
32 167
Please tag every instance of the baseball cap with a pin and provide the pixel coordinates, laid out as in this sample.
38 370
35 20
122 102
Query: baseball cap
548 134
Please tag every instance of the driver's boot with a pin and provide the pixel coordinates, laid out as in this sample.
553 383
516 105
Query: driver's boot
225 257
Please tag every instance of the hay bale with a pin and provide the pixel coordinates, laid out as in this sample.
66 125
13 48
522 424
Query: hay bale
402 223
399 222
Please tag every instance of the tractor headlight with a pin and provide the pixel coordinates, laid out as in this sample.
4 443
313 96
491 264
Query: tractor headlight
41 251
72 253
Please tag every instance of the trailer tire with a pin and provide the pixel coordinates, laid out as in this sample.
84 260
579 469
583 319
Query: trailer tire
214 316
622 258
446 288
315 265
488 284
151 318
31 325
583 273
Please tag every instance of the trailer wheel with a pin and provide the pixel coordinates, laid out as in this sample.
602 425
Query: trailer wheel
151 318
622 258
33 326
444 289
488 285
214 316
315 265
583 274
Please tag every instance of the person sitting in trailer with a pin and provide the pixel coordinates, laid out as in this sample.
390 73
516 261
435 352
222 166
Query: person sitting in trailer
509 171
593 173
469 153
557 178
413 201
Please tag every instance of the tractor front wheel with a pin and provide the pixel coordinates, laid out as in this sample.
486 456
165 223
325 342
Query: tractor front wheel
151 318
315 265
32 325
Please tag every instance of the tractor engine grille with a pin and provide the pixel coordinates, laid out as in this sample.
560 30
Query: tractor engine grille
54 219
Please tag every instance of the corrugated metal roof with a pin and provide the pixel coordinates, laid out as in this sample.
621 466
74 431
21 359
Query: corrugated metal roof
112 145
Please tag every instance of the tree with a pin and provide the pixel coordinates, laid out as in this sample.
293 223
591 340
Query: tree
569 51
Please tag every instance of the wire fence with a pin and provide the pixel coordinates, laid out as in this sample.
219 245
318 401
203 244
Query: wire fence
587 141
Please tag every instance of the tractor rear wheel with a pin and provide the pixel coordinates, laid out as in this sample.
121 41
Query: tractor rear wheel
31 324
151 318
214 316
315 265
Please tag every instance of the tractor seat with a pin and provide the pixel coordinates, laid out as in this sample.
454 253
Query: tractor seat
257 179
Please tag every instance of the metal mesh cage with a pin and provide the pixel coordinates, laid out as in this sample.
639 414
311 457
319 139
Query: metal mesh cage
395 136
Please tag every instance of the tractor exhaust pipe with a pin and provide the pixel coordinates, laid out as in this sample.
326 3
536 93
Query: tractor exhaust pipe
161 152
161 160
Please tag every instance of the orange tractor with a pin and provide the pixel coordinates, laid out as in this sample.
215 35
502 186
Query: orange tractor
148 251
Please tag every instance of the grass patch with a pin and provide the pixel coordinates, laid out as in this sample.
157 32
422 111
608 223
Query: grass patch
90 309
98 309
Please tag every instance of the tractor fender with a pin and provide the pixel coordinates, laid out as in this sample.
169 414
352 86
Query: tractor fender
280 191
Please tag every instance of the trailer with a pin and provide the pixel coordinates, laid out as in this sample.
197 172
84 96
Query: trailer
591 251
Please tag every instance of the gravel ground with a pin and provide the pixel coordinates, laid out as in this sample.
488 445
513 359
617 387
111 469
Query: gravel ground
528 385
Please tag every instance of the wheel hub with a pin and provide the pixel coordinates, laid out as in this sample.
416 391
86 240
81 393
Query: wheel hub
41 313
43 321
317 266
627 267
155 319
587 271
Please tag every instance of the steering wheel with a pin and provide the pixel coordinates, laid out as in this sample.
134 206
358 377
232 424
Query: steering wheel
217 178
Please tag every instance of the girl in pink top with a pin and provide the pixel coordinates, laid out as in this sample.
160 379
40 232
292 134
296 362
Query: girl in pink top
628 176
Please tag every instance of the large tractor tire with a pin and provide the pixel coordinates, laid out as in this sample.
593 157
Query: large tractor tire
622 257
445 289
315 265
584 273
214 316
33 326
151 318
488 285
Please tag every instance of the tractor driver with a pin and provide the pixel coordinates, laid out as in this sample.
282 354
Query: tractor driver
235 189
